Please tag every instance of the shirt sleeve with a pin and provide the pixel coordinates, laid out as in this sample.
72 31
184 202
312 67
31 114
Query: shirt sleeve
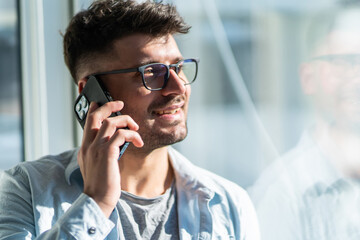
83 220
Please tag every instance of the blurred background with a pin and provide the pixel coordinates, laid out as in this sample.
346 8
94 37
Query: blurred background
247 106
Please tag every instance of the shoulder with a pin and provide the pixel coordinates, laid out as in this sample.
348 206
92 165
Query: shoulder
229 204
288 177
46 168
221 185
198 177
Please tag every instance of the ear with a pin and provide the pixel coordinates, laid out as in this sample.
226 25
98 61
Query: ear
81 84
307 78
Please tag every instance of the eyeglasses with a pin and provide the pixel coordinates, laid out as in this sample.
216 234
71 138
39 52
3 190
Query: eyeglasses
345 60
342 65
156 75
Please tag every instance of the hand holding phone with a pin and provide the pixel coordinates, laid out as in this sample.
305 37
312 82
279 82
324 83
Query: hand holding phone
93 92
103 134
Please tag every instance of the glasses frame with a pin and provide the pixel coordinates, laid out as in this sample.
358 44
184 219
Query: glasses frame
142 68
333 57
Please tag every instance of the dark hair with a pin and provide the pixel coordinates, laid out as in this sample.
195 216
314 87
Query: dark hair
93 31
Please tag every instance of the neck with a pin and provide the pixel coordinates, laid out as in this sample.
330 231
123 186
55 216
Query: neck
146 175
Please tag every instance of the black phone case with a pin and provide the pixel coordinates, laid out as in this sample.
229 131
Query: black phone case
93 92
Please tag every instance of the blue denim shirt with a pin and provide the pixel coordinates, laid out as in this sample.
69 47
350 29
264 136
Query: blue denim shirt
43 199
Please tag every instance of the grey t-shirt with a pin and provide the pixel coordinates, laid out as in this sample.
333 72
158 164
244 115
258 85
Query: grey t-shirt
149 218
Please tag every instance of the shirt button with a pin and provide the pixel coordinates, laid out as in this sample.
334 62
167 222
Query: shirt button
92 230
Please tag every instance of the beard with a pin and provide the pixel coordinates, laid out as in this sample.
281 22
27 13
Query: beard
156 139
157 134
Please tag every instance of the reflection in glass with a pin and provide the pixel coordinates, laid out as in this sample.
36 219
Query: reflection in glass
11 149
314 189
299 61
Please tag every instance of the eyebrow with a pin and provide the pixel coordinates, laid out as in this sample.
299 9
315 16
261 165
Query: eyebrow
142 63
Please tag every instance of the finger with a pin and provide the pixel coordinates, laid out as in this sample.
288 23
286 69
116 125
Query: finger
111 125
124 135
96 116
93 106
89 133
125 121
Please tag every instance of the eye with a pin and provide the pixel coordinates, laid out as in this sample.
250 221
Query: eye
148 72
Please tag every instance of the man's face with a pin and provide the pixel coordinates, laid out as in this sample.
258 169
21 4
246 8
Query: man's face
336 78
161 115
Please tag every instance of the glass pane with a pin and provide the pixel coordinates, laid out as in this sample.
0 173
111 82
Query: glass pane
276 108
11 141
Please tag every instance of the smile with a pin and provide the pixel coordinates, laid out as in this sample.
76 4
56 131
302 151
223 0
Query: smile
172 111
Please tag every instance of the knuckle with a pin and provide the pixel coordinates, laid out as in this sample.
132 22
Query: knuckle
91 149
107 122
83 150
120 132
126 118
101 149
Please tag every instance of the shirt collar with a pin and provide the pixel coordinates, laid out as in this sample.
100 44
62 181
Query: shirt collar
186 174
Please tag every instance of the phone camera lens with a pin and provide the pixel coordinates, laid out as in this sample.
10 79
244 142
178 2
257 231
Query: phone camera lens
78 107
82 115
84 102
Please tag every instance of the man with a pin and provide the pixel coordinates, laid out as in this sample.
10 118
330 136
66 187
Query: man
152 191
314 189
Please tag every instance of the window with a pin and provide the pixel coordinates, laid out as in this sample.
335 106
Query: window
276 109
11 143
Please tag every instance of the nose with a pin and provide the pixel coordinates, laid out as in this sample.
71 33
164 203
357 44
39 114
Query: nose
175 85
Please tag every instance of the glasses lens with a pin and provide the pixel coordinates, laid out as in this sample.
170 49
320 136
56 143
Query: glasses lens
155 75
187 71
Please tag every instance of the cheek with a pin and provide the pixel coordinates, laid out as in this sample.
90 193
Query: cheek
136 102
330 85
328 81
127 91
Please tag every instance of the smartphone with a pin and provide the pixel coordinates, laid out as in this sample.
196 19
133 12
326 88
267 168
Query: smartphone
94 91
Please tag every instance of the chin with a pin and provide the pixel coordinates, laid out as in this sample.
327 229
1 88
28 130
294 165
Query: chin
157 139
